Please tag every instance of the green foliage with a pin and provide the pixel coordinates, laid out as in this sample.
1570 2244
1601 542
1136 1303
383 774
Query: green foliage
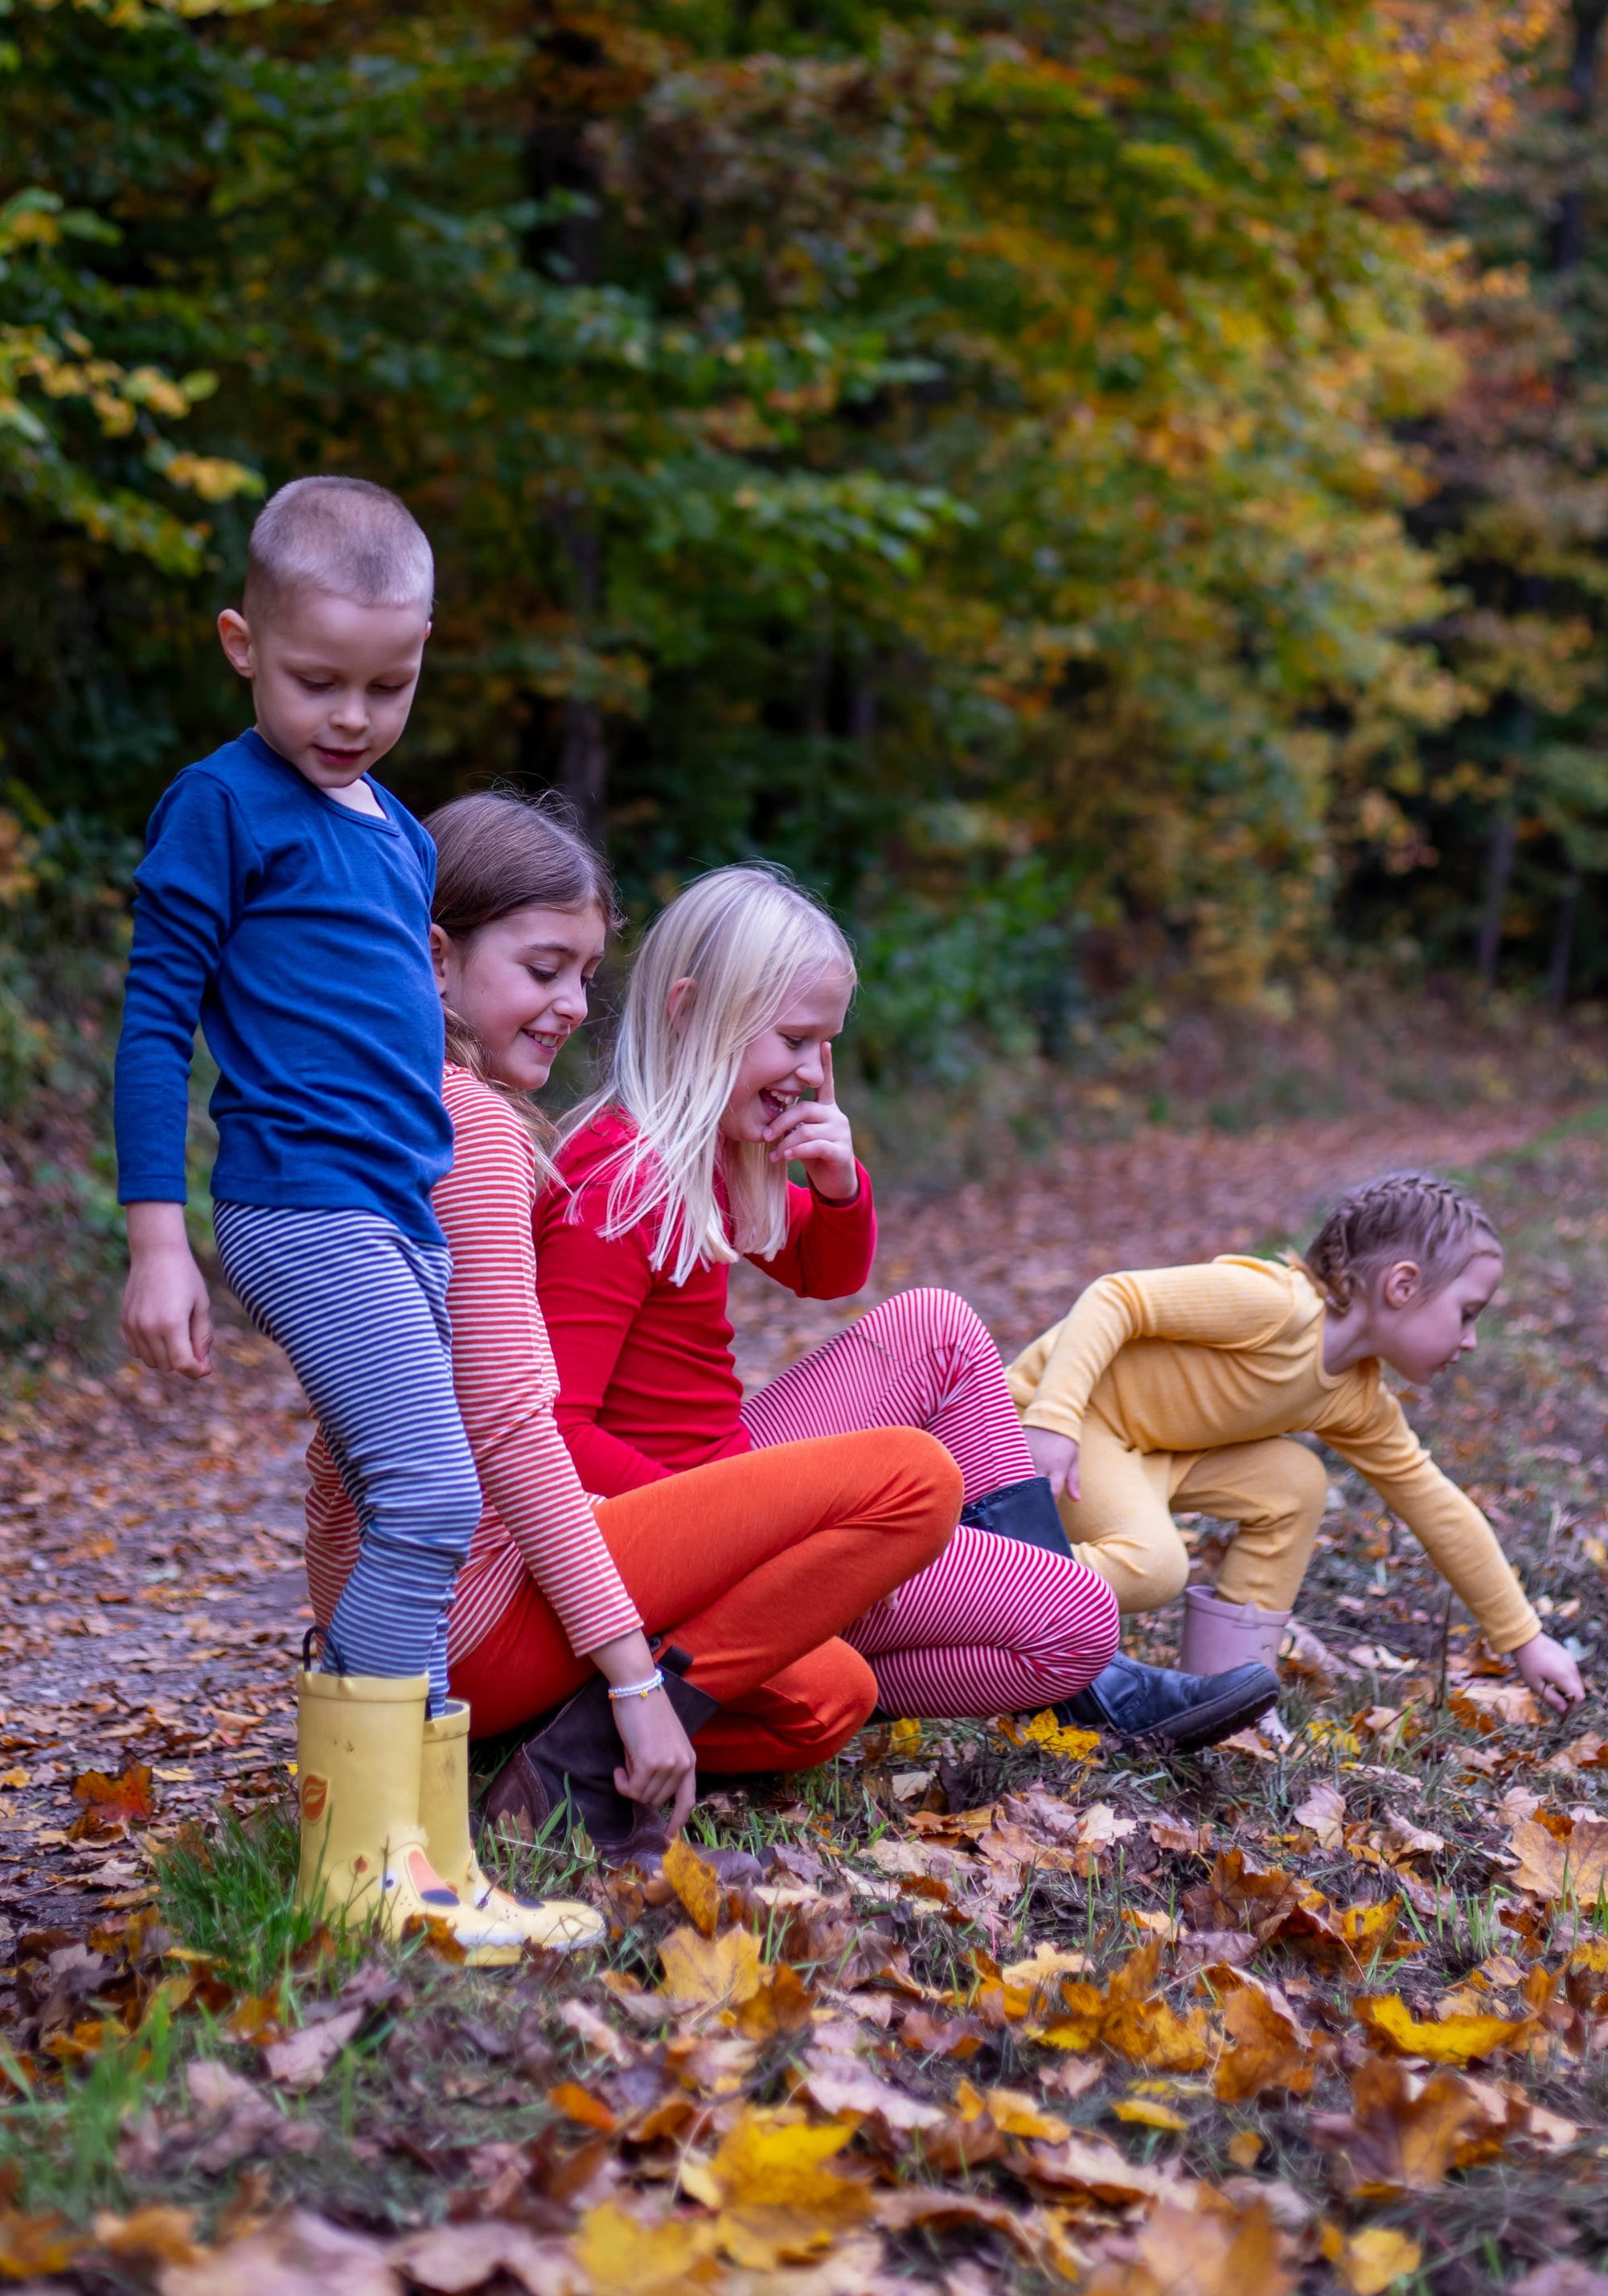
826 422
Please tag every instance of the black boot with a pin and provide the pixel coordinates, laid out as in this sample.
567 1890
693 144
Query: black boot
567 1768
1160 1707
1024 1511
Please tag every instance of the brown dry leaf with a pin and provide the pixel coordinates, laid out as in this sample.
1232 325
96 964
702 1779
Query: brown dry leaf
1399 1839
1183 1840
160 2234
110 1805
1242 1895
297 2254
712 1971
1247 1741
1551 1868
781 2005
449 2260
1373 2258
841 2087
621 2257
1199 2252
1086 2164
696 1883
1269 2048
1324 1813
1045 1965
1406 2135
1507 1703
30 2245
1567 2276
1131 2018
301 2060
1017 2114
1585 1753
579 2104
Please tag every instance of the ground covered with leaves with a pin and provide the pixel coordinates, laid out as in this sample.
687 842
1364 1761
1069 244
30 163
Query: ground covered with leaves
1011 2010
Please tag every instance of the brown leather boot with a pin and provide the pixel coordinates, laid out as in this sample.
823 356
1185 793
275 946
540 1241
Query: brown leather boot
566 1772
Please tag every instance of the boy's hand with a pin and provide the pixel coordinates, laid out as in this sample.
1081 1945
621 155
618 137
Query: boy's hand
816 1132
167 1314
1550 1672
1056 1456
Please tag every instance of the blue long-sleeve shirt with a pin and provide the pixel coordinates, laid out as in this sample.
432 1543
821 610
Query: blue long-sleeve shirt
297 932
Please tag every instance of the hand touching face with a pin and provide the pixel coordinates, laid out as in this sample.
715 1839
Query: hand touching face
787 1061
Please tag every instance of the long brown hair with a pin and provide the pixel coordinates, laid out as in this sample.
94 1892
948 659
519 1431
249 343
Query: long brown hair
497 851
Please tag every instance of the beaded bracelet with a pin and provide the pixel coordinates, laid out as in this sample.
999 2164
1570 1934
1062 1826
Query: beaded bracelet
655 1681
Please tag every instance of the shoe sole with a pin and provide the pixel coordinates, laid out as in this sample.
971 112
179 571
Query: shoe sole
1205 1725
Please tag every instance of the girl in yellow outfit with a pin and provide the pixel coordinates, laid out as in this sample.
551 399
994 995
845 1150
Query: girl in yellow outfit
1179 1387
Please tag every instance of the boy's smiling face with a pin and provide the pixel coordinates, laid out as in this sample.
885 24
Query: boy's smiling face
332 680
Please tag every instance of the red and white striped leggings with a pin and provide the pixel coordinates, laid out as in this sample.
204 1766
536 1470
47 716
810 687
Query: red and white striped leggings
994 1626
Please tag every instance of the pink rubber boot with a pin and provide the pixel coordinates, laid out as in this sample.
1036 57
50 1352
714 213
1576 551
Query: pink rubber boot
1219 1635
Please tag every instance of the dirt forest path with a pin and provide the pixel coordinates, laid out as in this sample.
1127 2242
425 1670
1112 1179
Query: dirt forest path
151 1599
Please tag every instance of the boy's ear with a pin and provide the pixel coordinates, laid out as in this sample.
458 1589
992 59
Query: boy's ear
1402 1283
683 995
235 636
441 950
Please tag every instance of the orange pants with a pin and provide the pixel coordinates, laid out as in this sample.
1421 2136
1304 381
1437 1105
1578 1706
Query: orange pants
753 1564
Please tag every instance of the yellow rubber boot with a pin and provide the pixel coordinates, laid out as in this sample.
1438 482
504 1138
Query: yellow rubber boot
360 1755
559 1923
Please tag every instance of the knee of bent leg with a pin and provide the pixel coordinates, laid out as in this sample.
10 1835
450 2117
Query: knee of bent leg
1158 1577
931 1484
1302 1487
842 1693
449 1503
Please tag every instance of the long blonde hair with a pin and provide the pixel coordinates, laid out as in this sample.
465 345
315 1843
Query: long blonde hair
746 937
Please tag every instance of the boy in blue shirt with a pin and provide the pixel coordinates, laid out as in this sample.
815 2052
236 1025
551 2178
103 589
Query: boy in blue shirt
284 903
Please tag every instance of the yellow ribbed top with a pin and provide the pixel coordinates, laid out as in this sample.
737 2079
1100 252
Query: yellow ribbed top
1194 1359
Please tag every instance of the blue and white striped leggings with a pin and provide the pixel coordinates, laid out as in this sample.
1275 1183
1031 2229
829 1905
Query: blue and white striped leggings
361 1311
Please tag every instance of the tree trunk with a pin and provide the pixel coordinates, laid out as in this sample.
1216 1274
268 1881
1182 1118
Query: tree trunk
1498 876
1563 944
584 768
1589 17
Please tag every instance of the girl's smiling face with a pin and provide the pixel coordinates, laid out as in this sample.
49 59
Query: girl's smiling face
783 1061
520 985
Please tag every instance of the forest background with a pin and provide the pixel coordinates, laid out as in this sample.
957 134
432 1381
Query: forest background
1114 493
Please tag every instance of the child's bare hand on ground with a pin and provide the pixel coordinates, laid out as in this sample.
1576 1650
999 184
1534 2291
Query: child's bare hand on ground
167 1314
817 1134
1056 1456
1550 1672
660 1764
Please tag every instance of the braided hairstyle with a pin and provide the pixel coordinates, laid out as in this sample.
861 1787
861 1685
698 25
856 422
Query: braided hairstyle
1404 1215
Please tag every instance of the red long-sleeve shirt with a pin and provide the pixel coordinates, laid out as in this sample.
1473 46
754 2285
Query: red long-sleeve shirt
647 1382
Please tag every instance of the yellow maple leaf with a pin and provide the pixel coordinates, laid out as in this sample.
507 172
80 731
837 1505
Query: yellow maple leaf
712 1970
1013 2112
1057 1738
1377 2258
696 1883
1575 1868
619 2254
772 2158
1443 2041
905 1736
1149 2112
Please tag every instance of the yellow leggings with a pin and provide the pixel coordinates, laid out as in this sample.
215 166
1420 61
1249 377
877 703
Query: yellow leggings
1121 1524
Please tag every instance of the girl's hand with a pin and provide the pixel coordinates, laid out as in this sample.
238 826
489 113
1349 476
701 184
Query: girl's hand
1056 1456
660 1764
167 1314
815 1132
1550 1672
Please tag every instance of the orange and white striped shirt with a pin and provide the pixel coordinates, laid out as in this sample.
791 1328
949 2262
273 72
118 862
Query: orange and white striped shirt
537 1520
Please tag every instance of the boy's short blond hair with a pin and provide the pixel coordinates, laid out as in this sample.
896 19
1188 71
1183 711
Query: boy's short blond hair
345 537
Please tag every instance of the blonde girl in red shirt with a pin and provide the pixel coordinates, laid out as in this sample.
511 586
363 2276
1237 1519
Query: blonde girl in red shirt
721 1076
705 1608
